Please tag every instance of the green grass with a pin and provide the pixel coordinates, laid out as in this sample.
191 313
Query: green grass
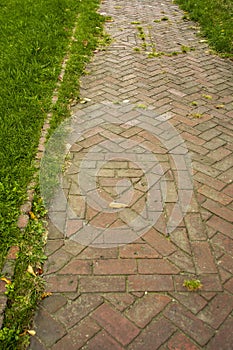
35 37
215 18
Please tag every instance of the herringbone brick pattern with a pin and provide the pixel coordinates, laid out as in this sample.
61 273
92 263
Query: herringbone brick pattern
113 294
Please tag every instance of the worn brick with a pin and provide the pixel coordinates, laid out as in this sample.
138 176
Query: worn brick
223 338
203 258
156 266
120 300
195 227
56 261
154 335
115 267
181 342
192 301
77 267
61 283
102 341
215 195
73 313
221 306
159 242
78 335
219 210
48 329
221 225
139 251
146 308
189 323
150 283
92 284
226 262
116 324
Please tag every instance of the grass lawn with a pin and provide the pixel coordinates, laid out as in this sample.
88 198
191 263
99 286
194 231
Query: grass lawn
34 40
216 20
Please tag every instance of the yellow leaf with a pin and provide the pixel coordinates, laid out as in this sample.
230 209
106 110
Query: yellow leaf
30 270
32 215
45 295
116 205
31 332
208 97
4 279
219 106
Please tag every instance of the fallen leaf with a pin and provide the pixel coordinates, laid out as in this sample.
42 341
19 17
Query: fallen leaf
46 295
84 100
116 205
4 279
32 215
219 106
30 270
208 97
31 332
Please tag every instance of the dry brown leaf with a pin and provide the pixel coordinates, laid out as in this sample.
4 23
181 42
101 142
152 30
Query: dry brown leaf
116 205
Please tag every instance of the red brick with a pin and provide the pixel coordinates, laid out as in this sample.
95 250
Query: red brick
154 335
156 266
195 227
219 153
115 267
120 300
48 330
219 210
229 285
77 267
229 190
102 341
12 253
203 258
215 195
224 337
227 263
192 301
78 335
221 225
217 310
57 284
73 313
146 308
159 242
183 261
210 181
56 261
194 139
116 324
189 323
181 342
137 250
150 283
93 284
98 253
223 243
23 221
91 141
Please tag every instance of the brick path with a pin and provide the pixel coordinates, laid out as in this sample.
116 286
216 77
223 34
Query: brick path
117 281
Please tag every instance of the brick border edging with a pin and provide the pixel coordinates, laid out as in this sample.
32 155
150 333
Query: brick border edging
8 272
